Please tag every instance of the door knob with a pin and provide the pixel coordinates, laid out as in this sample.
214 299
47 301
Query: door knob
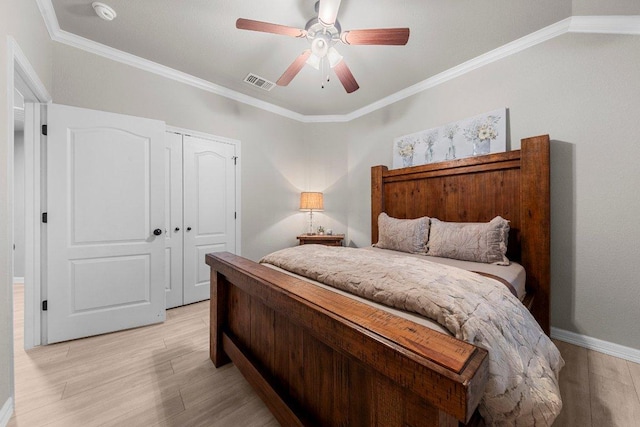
177 229
157 232
188 228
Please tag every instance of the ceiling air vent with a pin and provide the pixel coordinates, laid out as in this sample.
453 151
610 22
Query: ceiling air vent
258 81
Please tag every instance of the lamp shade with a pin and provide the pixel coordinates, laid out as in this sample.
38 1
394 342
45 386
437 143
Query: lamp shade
311 201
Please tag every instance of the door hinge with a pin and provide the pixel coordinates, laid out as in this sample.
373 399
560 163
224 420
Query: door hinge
235 215
235 160
44 129
45 305
44 217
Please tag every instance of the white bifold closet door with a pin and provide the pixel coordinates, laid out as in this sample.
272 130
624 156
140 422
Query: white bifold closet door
105 220
202 206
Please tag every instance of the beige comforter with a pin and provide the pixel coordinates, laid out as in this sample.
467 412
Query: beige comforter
523 362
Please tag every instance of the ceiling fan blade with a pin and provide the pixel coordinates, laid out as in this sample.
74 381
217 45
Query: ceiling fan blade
328 12
266 27
293 69
346 78
381 36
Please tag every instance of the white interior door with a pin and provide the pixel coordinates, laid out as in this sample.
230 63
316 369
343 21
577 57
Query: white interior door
209 209
173 219
105 202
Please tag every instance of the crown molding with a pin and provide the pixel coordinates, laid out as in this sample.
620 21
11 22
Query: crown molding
501 52
629 25
576 24
73 40
49 15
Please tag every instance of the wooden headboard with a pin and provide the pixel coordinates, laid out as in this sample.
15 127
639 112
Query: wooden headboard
514 185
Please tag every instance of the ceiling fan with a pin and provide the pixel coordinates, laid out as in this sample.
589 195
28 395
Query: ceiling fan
323 33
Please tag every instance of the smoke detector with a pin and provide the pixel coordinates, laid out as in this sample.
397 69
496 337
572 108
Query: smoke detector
104 11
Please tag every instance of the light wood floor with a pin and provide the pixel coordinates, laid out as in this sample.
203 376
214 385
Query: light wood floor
156 375
161 375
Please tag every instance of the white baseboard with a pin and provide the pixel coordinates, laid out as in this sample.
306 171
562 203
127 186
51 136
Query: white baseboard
6 412
612 349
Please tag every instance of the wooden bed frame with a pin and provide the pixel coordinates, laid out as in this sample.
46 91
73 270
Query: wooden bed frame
319 358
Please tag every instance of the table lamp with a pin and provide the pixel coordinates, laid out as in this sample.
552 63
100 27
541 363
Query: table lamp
311 201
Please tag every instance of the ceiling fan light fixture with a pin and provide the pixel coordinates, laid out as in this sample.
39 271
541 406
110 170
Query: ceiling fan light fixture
104 11
334 57
323 33
320 46
314 61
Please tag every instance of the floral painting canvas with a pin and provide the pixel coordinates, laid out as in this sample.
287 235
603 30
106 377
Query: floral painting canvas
475 136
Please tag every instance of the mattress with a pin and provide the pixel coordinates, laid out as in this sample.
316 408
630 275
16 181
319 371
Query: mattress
513 273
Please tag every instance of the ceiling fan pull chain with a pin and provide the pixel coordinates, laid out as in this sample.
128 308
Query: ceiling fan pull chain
328 69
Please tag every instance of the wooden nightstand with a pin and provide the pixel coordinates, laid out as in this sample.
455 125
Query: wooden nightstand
334 240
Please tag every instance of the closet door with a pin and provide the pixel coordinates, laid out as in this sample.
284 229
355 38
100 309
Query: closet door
173 219
105 197
209 209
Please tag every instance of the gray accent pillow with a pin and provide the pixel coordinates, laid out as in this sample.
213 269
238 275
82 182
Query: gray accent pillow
405 235
470 241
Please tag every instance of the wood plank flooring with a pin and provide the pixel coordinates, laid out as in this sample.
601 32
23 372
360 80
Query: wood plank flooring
161 375
156 375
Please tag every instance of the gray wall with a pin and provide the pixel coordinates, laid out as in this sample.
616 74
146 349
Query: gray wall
583 90
22 20
326 170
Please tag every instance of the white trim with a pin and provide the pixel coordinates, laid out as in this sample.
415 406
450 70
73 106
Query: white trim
612 349
33 227
21 72
24 68
170 73
575 24
11 52
18 280
18 114
6 412
238 199
504 51
203 135
606 24
58 35
49 16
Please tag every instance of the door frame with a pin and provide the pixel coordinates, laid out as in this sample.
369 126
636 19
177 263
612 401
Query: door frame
238 195
22 76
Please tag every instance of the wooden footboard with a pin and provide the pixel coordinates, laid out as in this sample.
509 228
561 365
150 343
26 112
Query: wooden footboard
319 358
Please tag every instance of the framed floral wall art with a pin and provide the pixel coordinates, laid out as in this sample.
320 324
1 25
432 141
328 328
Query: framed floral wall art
475 136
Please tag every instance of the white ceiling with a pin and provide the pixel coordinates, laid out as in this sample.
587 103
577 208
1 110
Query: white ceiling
198 37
